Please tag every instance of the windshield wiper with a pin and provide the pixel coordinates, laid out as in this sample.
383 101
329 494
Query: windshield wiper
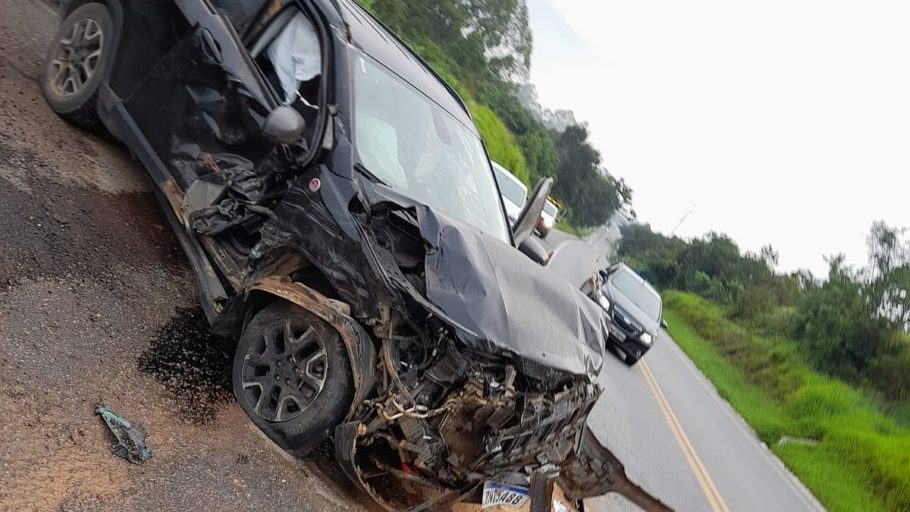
370 176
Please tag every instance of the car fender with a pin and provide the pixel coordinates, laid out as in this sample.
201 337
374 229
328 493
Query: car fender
358 344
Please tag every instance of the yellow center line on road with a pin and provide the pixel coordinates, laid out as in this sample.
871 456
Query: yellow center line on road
715 500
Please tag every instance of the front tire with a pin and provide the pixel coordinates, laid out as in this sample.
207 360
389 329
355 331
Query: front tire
292 377
77 63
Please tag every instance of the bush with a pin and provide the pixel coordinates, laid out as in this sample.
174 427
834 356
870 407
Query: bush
839 331
499 141
753 303
890 373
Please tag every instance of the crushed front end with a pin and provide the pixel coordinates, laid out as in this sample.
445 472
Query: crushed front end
479 379
446 419
485 365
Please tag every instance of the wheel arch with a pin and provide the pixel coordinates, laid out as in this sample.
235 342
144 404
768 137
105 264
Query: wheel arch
357 342
68 6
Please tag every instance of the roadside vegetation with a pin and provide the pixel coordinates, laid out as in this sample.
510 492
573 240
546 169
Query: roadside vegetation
819 368
482 48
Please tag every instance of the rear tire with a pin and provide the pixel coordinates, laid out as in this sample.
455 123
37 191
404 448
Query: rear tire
77 63
292 376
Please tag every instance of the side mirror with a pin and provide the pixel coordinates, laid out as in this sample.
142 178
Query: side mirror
284 125
529 215
663 325
534 250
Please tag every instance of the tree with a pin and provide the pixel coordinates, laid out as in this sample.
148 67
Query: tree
854 319
712 267
769 255
594 194
483 48
656 256
888 288
837 326
487 38
535 141
886 249
504 28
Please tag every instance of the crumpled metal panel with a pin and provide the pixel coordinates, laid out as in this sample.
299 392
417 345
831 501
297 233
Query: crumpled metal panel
498 300
594 471
508 302
304 221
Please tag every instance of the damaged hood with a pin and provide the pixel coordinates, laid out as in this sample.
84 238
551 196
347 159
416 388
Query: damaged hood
502 302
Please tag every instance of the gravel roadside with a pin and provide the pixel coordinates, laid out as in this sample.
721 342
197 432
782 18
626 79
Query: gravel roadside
97 305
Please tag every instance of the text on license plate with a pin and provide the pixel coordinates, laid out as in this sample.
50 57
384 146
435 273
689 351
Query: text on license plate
502 494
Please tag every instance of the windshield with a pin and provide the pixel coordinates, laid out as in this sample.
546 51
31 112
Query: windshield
550 209
511 189
413 145
638 292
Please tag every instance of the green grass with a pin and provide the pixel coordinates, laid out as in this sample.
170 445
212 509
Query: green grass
862 459
567 227
499 141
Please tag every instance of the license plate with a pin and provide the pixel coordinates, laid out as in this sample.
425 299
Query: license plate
617 333
496 494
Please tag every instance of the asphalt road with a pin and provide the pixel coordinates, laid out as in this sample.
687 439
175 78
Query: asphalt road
676 436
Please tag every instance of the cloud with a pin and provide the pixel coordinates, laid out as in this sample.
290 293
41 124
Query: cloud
549 25
786 121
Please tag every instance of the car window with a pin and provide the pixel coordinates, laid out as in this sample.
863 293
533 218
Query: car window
510 189
240 12
638 292
296 57
415 146
289 54
550 208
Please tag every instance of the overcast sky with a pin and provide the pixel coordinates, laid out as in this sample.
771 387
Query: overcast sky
783 121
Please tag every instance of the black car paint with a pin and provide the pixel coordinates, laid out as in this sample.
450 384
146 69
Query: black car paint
197 111
626 316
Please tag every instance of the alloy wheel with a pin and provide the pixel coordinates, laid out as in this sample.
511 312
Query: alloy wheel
284 370
77 58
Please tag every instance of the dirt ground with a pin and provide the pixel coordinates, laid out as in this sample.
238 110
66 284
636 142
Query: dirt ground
97 305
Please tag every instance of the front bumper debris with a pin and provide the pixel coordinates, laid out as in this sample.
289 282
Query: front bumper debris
469 421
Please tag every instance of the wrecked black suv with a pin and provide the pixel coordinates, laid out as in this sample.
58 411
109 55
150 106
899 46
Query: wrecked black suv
341 216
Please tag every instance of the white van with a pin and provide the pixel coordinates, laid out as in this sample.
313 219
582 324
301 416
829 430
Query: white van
514 192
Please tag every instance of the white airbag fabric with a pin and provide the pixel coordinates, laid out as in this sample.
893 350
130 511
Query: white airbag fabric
296 55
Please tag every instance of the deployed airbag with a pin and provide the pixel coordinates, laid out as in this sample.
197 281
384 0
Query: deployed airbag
296 55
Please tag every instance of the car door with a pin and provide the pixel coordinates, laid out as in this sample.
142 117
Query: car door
201 104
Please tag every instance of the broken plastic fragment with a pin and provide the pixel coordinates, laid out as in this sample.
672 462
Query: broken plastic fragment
130 440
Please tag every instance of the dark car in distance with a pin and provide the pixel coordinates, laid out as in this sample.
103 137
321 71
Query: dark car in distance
339 211
633 308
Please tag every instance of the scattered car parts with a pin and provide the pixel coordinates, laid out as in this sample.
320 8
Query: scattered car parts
130 443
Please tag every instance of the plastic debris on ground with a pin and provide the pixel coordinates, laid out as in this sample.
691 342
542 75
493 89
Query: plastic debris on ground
130 443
